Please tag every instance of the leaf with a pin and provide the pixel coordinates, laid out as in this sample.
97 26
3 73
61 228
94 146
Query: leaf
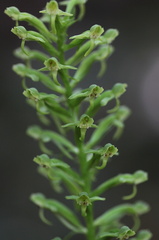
57 208
35 75
107 123
134 179
120 211
31 54
99 132
68 178
99 55
99 102
46 136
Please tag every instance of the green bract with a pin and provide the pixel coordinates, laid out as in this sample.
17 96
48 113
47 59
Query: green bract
67 113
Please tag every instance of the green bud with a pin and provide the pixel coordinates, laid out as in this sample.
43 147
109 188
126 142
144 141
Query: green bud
25 35
110 35
96 31
118 89
44 161
72 4
12 12
32 94
20 31
125 233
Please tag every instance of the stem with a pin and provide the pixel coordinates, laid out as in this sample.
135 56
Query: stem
87 185
63 73
89 222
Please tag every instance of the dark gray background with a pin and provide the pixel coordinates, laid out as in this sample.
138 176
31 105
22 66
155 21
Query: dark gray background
136 62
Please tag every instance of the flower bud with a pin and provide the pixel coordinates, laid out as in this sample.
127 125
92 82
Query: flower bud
96 31
12 12
20 31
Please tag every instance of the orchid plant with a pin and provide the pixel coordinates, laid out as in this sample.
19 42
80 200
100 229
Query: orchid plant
69 119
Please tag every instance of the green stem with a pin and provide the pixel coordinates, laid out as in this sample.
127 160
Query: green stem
89 223
63 73
87 185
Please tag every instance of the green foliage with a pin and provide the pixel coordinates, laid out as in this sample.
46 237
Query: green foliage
79 133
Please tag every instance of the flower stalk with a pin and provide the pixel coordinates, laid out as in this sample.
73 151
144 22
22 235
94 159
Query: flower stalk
78 130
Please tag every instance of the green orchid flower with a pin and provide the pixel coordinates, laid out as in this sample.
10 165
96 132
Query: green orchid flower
53 11
54 66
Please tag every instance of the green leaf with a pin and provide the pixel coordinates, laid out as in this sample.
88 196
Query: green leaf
134 179
47 136
100 54
99 102
35 75
29 54
99 132
59 209
72 183
107 123
120 211
118 89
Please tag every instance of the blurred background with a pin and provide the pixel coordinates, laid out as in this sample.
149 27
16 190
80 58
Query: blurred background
135 62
